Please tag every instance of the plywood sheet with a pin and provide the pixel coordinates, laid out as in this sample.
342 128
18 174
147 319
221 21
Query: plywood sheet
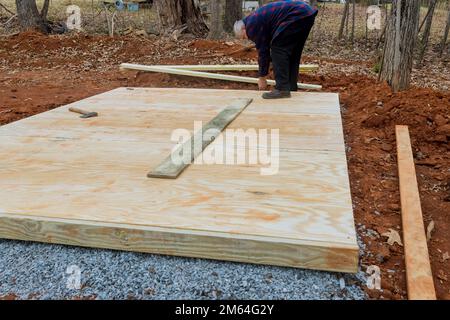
83 181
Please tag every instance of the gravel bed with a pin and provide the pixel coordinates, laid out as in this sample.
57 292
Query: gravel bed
40 271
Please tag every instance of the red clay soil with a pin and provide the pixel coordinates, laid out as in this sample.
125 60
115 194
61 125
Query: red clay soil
34 79
370 113
9 297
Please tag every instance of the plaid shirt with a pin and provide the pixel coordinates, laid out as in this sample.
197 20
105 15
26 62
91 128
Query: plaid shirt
266 23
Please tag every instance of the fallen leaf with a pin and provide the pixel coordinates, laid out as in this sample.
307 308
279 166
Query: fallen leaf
141 33
445 257
393 237
430 229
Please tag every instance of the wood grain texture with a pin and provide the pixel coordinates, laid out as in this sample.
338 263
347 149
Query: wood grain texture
418 269
80 180
170 170
197 244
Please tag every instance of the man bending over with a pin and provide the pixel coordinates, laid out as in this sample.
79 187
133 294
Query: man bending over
279 30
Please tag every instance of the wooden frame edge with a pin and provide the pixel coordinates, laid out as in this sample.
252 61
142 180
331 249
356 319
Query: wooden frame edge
207 245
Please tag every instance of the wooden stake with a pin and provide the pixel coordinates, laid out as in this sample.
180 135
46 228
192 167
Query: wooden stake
208 75
419 278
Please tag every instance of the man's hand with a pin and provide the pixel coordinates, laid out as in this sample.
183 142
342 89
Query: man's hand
262 83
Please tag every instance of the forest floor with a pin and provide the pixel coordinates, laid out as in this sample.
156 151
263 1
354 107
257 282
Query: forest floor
39 73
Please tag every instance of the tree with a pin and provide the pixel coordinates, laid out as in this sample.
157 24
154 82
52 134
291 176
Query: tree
353 21
447 29
233 12
401 35
426 34
181 15
345 15
29 16
215 30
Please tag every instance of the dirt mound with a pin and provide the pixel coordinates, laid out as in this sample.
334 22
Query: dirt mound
204 45
425 111
228 48
419 108
39 43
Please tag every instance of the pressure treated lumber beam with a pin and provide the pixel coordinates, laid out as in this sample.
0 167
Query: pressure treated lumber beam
170 169
304 68
419 278
208 75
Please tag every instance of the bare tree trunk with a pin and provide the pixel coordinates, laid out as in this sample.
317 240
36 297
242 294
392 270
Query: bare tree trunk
426 33
181 15
383 33
215 31
348 19
344 19
425 18
29 16
353 21
233 12
44 10
367 29
447 29
401 37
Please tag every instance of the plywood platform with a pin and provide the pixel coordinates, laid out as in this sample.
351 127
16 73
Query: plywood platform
83 181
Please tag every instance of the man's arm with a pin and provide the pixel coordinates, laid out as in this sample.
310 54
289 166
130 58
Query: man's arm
263 47
263 58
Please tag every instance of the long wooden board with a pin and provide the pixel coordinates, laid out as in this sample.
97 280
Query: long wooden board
418 269
168 169
83 181
209 75
304 68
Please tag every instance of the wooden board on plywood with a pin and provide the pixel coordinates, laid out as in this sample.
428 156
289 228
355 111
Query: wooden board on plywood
83 181
170 169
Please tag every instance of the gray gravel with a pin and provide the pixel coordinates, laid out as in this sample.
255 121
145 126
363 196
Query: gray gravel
38 271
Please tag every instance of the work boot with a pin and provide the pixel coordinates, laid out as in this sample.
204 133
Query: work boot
276 94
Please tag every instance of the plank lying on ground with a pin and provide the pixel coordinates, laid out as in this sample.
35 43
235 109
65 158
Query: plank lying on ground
418 270
209 75
304 68
170 170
